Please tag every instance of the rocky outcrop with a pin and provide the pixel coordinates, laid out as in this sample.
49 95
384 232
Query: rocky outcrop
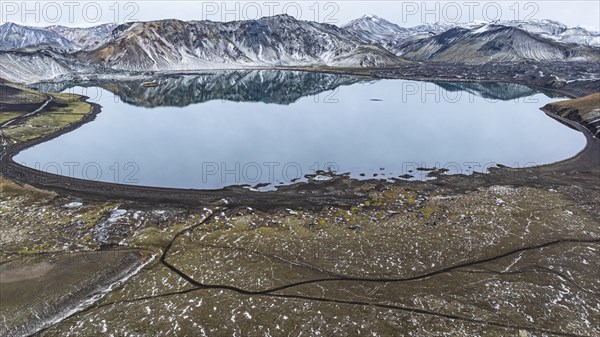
584 110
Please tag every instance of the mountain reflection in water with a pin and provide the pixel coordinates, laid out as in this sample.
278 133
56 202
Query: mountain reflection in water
266 86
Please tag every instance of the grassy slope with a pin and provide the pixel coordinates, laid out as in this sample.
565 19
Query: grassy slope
64 110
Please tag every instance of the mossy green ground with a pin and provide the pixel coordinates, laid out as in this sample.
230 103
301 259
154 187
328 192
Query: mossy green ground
63 110
6 116
363 270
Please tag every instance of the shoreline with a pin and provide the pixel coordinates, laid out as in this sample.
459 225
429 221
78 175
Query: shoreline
307 194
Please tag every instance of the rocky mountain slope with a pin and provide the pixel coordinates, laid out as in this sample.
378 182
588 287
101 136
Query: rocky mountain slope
271 41
493 43
85 38
557 31
28 67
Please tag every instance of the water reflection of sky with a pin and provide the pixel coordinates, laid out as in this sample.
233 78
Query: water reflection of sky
219 143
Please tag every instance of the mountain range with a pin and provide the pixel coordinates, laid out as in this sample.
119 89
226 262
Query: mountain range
31 54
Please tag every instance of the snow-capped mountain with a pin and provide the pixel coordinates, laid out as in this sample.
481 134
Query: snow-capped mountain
13 36
271 41
493 43
376 30
372 28
557 31
85 38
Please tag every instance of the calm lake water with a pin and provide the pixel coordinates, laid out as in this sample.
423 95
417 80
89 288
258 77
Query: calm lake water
214 130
